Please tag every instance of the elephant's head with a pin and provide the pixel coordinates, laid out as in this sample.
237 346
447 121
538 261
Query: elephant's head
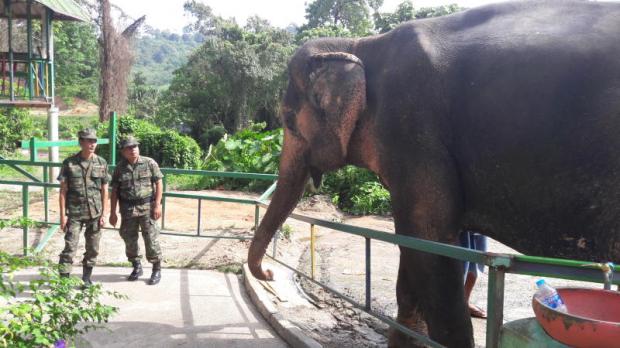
325 96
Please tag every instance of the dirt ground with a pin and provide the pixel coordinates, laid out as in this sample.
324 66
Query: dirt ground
331 321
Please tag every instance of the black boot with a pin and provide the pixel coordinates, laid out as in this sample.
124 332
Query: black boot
88 271
137 271
156 275
64 275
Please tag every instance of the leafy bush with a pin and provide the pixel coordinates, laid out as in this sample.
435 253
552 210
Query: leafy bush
68 126
212 136
168 148
15 125
357 191
49 310
371 198
248 151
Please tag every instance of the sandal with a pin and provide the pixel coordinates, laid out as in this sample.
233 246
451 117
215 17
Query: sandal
477 312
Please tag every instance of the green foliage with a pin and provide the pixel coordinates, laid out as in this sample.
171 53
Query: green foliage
142 98
437 11
159 53
235 77
212 136
249 151
15 125
18 222
168 147
327 31
286 231
68 126
371 198
235 268
357 191
351 15
48 309
387 21
76 60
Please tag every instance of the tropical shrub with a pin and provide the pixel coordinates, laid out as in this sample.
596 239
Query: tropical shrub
357 191
15 125
168 148
47 310
248 151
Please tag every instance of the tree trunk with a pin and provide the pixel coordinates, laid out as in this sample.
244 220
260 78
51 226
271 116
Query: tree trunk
107 61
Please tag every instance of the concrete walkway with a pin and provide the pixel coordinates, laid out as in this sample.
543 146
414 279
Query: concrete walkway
189 308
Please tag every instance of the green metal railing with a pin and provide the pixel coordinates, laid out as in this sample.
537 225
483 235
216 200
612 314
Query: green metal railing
499 264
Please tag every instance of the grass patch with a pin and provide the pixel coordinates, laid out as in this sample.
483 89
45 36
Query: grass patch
9 173
117 264
235 268
184 182
286 231
13 200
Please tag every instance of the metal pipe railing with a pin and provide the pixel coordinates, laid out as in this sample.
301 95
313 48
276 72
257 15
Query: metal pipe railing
499 264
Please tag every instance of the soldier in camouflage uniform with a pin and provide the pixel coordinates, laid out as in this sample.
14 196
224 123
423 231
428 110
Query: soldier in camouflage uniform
83 193
137 185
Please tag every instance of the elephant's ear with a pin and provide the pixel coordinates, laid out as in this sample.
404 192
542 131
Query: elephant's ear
338 89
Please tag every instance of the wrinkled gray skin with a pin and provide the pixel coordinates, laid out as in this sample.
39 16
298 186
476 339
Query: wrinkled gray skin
503 119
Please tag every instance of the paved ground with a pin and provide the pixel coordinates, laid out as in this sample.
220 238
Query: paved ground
189 308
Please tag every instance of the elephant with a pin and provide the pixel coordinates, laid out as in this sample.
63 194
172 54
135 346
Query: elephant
502 119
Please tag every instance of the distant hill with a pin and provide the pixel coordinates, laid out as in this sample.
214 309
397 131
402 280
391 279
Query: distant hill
159 53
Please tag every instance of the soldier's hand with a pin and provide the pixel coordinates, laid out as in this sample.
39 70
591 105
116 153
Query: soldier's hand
157 212
113 219
63 222
101 221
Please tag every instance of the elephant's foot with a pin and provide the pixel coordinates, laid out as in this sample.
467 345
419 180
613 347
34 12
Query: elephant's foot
398 339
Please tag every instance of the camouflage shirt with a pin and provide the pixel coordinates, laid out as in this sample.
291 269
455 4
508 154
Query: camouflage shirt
135 185
84 179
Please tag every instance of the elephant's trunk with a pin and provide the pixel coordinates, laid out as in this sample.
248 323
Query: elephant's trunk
291 182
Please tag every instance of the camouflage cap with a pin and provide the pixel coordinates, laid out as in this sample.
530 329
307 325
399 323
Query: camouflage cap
87 133
129 141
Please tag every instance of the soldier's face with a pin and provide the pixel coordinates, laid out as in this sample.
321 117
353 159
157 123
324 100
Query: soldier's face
131 153
88 146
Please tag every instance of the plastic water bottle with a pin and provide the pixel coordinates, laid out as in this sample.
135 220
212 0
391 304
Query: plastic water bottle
549 296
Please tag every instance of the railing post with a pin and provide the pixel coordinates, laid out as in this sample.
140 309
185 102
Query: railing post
163 204
312 250
256 217
26 203
495 305
199 217
368 274
33 149
276 236
45 192
10 41
29 47
112 134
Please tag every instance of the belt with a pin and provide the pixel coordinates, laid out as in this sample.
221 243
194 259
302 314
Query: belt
134 202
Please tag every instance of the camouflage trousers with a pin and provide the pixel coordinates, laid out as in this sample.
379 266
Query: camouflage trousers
92 234
150 234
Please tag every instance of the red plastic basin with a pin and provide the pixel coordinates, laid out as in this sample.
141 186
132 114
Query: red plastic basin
593 318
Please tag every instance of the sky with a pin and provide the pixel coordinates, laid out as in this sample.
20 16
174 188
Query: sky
169 15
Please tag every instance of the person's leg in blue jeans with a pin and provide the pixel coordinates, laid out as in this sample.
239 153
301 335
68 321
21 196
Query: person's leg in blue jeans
478 242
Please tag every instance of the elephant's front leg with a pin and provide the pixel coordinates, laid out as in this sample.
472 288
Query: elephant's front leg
430 287
430 291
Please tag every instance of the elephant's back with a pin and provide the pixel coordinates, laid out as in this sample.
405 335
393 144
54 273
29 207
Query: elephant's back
534 106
